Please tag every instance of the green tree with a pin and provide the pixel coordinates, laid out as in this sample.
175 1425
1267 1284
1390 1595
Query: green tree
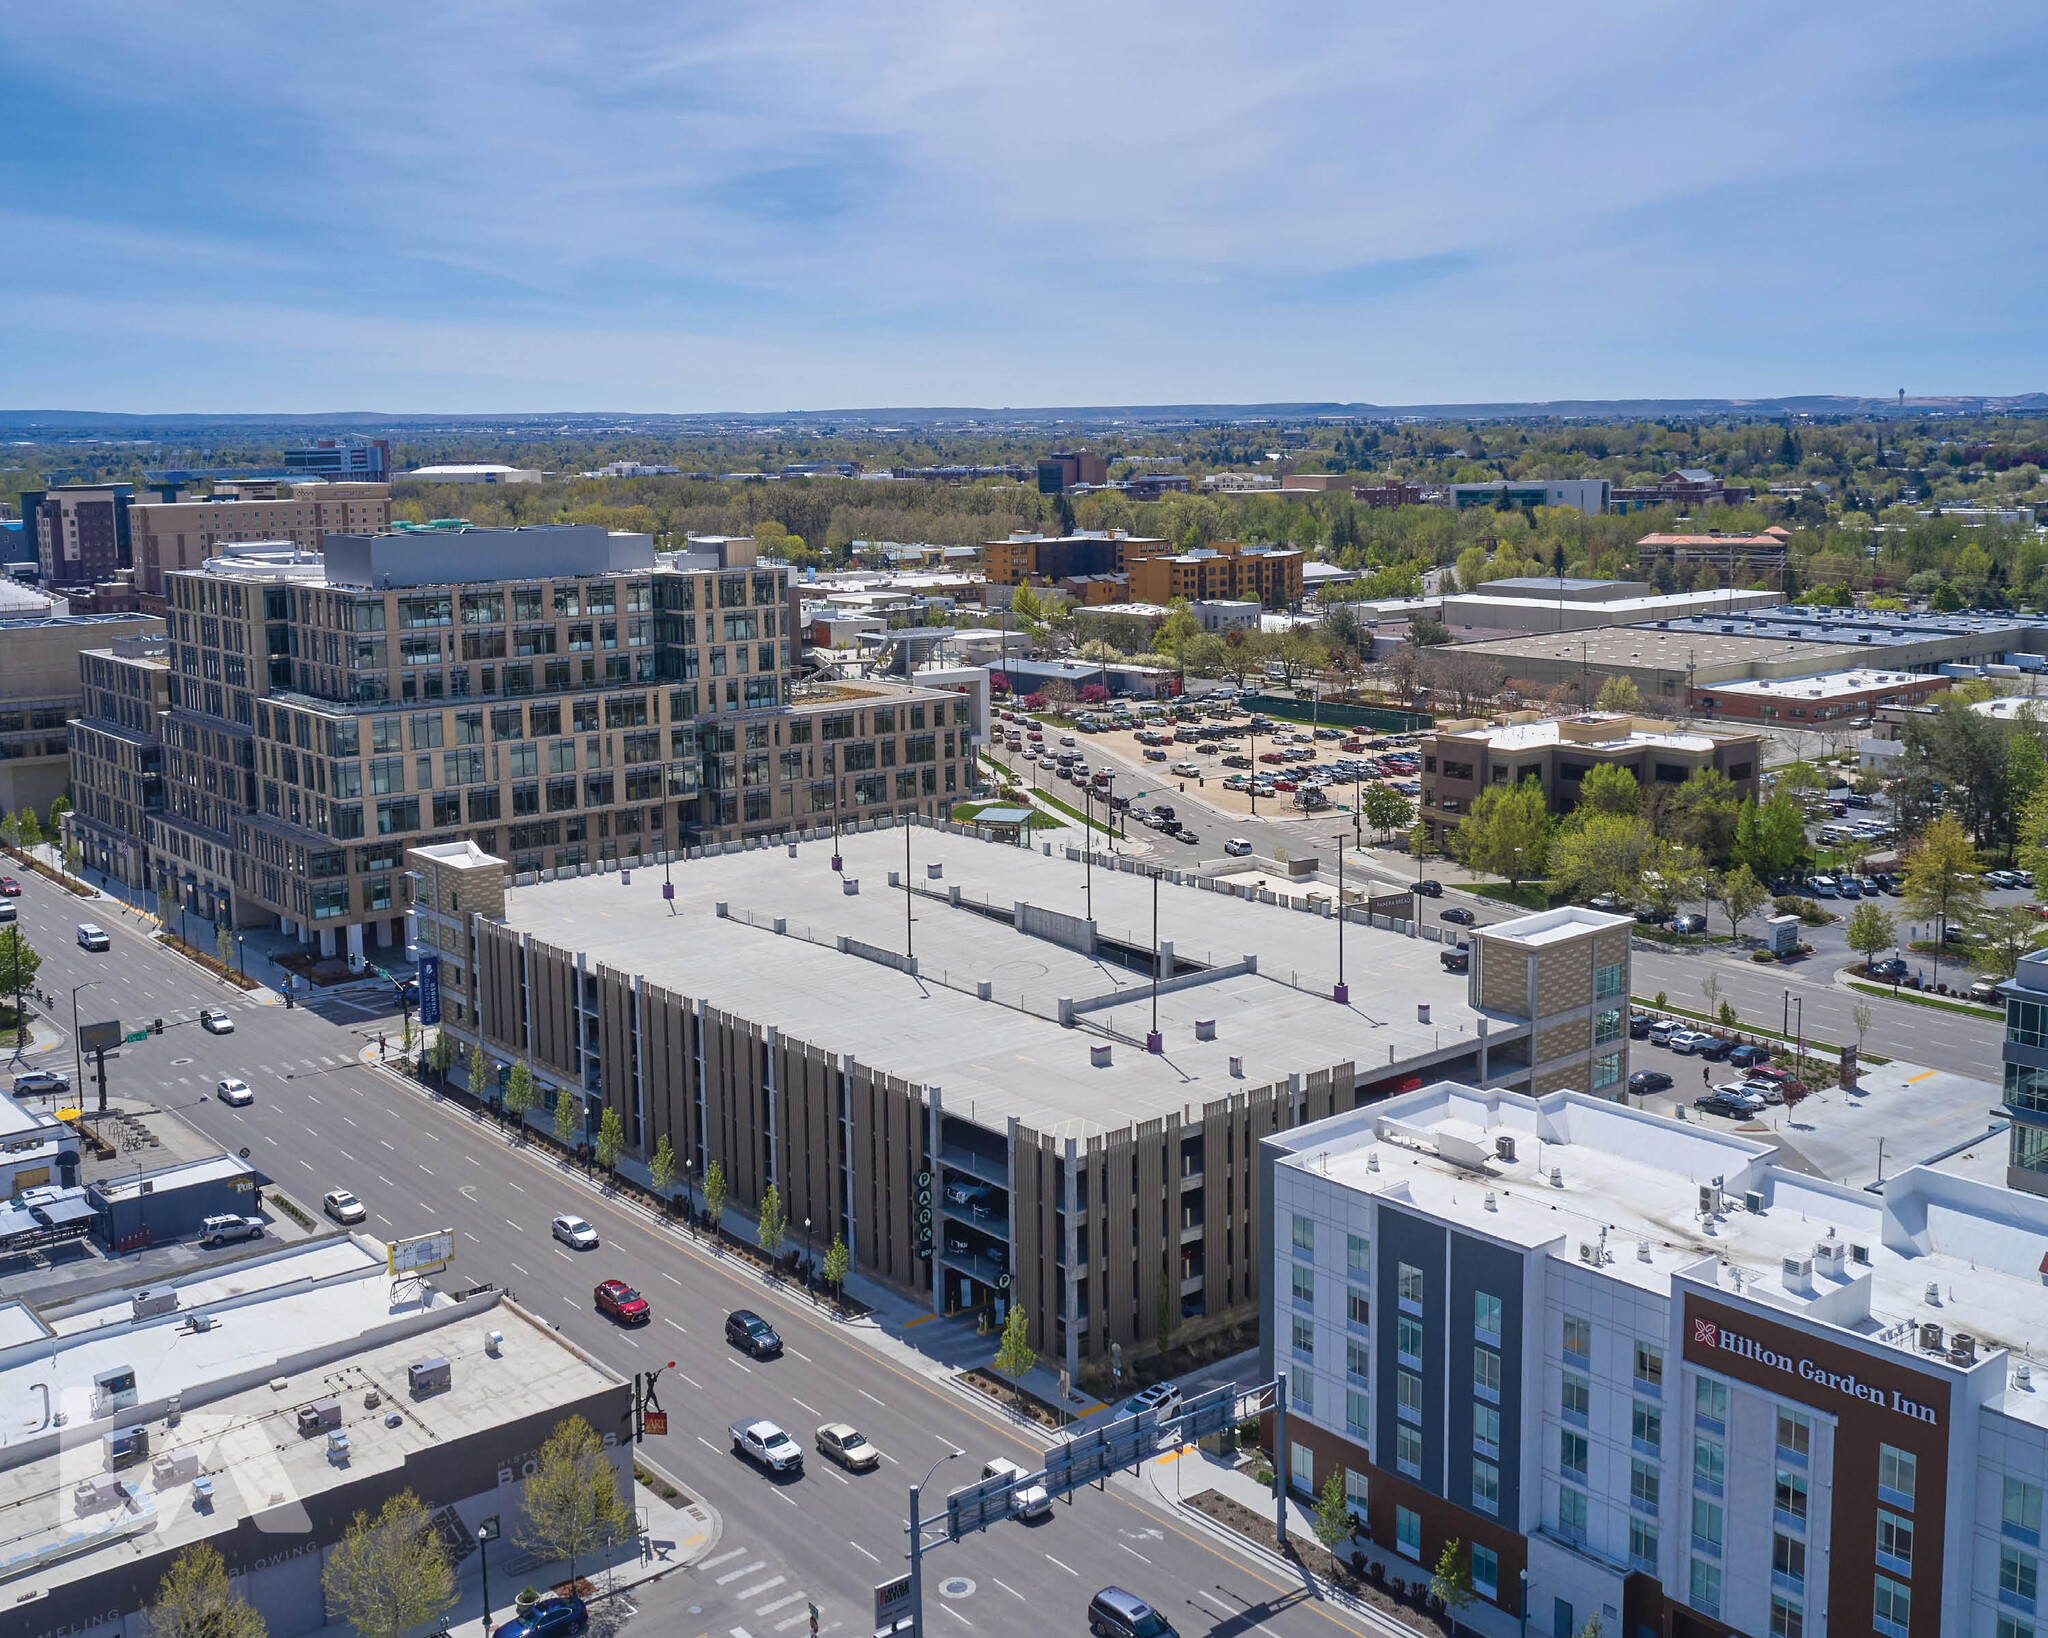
1606 855
1014 1354
10 831
30 827
1943 878
611 1138
1871 930
1610 788
391 1573
1619 693
478 1073
518 1092
714 1194
1385 809
195 1599
1333 1523
573 1506
442 1053
1706 809
773 1228
74 858
838 1262
1507 832
1770 839
661 1170
1029 612
1451 1581
1741 896
19 964
569 1120
1176 631
2008 934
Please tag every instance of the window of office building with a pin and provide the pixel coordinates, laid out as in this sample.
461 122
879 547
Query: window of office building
2019 1577
1710 1403
1707 1519
1578 1338
1408 1340
1606 1069
2022 1515
1642 1544
2009 1628
1355 1492
1894 1541
1357 1310
1571 1514
1486 1429
1607 981
1408 1532
1790 1498
1357 1360
1409 1285
1709 1465
1705 1590
1646 1427
1358 1258
1896 1475
1485 1485
1892 1612
1486 1315
1486 1373
1795 1433
1645 1485
1649 1367
1304 1235
1408 1389
1788 1617
1304 1335
1357 1412
1485 1566
1304 1286
1408 1450
1788 1559
1577 1398
1571 1454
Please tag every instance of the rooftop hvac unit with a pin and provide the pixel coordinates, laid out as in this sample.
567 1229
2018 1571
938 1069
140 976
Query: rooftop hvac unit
428 1376
1753 1200
1557 1177
322 1413
1962 1349
1798 1268
161 1299
125 1445
2023 1377
1504 1148
1930 1337
1860 1254
1709 1198
1588 1252
1934 1292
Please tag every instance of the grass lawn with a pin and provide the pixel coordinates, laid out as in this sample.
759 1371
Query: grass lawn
1966 1008
966 812
1529 895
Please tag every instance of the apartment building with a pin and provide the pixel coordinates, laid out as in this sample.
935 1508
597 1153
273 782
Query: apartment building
1649 1377
1026 559
1587 495
343 460
1687 487
39 696
556 694
1461 760
1760 553
182 534
1222 571
117 754
79 533
1069 469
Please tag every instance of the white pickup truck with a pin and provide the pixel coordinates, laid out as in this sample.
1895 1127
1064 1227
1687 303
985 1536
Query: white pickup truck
768 1446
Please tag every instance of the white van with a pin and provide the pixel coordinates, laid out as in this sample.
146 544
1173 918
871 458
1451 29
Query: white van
91 937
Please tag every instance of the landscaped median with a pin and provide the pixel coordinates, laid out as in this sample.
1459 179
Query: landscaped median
1968 1009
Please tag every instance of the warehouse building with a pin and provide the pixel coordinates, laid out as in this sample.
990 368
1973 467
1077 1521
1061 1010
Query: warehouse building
1650 1378
957 1069
258 1405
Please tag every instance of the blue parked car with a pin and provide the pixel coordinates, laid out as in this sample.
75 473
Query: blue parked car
550 1618
1748 1056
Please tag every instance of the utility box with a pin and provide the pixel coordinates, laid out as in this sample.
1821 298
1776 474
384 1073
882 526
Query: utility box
322 1413
125 1446
428 1376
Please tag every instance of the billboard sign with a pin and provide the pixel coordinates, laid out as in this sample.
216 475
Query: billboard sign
430 989
101 1037
978 1505
892 1603
421 1253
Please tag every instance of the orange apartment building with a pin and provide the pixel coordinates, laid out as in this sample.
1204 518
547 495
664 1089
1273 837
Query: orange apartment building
1094 568
181 534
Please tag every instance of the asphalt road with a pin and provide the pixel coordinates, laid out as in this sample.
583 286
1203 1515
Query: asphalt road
322 1120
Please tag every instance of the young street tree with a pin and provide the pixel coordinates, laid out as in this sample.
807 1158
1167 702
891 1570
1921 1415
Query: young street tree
568 1118
573 1506
195 1599
774 1225
19 965
661 1170
1333 1523
1451 1581
391 1573
1619 693
611 1138
1871 930
1014 1354
838 1261
1741 896
1386 810
1943 879
1610 788
1506 833
714 1194
519 1092
2008 934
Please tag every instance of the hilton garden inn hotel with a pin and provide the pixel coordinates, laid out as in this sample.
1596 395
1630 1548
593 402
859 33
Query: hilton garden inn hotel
1649 1376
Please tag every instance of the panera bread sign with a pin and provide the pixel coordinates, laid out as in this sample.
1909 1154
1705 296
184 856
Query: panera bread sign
1710 1336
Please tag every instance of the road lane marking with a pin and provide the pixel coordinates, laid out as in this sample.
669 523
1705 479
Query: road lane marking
734 1575
471 1238
695 1384
510 1224
666 1275
346 1121
1140 1557
1076 1574
427 1170
747 1368
811 1408
779 1604
956 1615
381 1178
389 1145
858 1548
722 1558
559 1252
870 1398
1012 1591
786 1496
511 1185
525 1271
800 1354
708 1445
307 1164
793 1621
667 1321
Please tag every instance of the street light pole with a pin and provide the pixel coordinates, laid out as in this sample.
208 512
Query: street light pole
483 1547
1343 996
1153 1042
808 1286
917 1544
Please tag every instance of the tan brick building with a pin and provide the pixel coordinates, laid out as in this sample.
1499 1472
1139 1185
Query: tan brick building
1566 972
182 534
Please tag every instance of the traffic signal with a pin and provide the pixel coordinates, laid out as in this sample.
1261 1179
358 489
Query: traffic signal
158 1026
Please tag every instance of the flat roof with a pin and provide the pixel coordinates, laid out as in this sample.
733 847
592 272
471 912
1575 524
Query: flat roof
1626 732
1628 1181
1860 626
183 1174
1010 1056
1827 685
1697 641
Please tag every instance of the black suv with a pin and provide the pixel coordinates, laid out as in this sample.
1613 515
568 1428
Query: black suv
1430 888
753 1333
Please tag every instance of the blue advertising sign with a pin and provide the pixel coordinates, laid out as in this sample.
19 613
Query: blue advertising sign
430 989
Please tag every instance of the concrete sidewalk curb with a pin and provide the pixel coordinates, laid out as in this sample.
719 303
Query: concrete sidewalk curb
713 1518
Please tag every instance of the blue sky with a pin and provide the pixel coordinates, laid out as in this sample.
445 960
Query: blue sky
521 206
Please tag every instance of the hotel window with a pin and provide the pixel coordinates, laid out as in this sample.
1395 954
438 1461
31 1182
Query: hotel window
1577 1398
1304 1336
1485 1485
1486 1316
1706 1526
1408 1532
1710 1404
1795 1435
1486 1373
1709 1465
2009 1628
1354 1492
1607 982
1571 1454
2023 1511
1302 1385
1894 1541
1642 1544
1301 1462
1357 1413
1304 1236
1358 1257
1606 1069
1357 1361
1409 1286
1408 1340
1408 1450
1705 1592
1571 1514
1892 1612
1791 1498
1645 1486
2026 1023
1485 1566
2019 1578
1409 1387
1357 1310
1649 1368
1788 1560
1486 1429
1305 1286
1788 1618
1646 1427
1607 1025
1578 1338
1896 1475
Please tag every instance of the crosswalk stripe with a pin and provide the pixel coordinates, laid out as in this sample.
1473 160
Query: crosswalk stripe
794 1620
722 1558
734 1575
755 1592
780 1604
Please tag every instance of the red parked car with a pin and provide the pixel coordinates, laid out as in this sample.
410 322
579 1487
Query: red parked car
9 887
621 1302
